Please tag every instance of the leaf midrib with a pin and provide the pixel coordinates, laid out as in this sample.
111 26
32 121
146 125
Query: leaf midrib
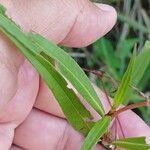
45 69
133 144
72 75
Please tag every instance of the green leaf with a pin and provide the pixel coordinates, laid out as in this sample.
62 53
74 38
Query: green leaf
145 79
126 81
105 51
141 64
96 133
137 143
73 109
125 48
71 70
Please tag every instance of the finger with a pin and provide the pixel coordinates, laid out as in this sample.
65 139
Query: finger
6 135
33 19
25 15
46 101
85 23
21 103
10 61
19 10
18 90
14 147
43 131
133 125
17 108
92 22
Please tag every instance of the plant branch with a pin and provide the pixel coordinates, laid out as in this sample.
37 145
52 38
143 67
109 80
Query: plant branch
105 91
121 128
130 107
100 74
107 98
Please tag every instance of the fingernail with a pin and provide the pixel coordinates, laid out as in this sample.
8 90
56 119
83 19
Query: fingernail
105 7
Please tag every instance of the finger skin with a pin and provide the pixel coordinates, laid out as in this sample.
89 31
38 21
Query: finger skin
20 105
85 23
24 14
44 131
50 24
46 102
92 22
14 147
6 135
132 124
10 61
41 130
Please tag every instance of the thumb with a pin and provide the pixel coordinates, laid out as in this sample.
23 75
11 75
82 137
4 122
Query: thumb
92 22
71 23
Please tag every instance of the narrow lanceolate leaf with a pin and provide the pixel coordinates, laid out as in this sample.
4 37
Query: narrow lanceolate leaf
73 109
71 70
137 143
98 130
141 64
126 81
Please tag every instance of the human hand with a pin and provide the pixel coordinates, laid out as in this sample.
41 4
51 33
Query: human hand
74 23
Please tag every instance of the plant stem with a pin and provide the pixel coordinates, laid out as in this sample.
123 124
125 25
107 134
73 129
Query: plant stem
121 129
97 73
105 91
130 107
107 98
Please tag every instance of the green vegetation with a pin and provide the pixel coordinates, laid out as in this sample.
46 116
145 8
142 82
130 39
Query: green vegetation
111 54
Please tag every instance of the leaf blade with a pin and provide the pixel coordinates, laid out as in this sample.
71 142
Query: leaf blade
66 97
71 70
105 51
137 143
96 133
141 63
126 81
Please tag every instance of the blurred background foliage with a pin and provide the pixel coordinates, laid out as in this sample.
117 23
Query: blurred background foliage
112 52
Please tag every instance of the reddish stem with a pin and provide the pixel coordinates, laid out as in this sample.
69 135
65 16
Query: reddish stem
97 73
105 92
130 107
121 129
107 98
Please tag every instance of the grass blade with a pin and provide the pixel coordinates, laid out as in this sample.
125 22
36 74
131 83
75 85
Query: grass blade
134 24
70 70
124 85
141 64
105 51
137 143
96 133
